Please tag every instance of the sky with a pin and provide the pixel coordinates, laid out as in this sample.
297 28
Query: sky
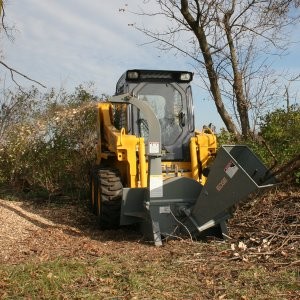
64 43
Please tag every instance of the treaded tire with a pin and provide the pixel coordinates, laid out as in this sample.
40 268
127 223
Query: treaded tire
108 198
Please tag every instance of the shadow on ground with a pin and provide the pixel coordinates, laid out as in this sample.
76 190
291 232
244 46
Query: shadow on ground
71 216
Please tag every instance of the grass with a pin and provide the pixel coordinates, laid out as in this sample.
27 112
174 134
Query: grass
42 280
257 282
119 277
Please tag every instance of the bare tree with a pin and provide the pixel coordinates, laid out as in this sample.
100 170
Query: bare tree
287 92
1 10
8 34
230 43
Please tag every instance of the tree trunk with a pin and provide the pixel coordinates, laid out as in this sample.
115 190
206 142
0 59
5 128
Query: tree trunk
241 101
212 74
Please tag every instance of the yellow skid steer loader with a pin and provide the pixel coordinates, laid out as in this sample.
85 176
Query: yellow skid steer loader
154 169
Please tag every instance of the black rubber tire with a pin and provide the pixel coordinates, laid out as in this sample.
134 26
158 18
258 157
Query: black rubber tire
108 198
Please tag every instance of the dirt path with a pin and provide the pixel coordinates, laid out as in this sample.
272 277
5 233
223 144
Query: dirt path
16 227
42 231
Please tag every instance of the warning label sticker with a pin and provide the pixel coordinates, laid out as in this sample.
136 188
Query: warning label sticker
231 169
153 147
156 186
165 209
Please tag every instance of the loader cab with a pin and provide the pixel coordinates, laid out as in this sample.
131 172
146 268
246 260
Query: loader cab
169 95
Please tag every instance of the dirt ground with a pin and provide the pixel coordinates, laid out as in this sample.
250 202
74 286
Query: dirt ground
41 230
263 233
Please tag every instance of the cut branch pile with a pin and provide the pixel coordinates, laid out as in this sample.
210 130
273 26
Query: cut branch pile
267 229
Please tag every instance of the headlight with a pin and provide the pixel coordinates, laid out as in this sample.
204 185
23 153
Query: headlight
132 75
185 77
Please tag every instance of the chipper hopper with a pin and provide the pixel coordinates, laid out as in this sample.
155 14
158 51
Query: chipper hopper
154 169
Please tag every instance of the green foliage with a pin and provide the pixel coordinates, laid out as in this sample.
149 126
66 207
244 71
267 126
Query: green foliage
225 137
48 143
280 130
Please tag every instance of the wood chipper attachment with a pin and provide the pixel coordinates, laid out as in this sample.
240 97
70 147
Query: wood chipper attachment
181 205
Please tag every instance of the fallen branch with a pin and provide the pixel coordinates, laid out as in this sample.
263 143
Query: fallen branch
285 171
297 236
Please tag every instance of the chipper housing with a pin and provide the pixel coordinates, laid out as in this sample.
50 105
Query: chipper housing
155 170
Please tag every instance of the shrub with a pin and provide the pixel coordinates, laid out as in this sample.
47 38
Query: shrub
51 145
281 130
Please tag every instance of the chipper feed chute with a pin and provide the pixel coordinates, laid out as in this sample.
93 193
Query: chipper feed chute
235 173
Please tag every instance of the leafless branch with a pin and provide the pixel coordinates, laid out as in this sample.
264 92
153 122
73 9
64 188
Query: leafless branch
157 38
14 71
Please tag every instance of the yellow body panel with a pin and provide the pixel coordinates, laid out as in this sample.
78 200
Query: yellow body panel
127 152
